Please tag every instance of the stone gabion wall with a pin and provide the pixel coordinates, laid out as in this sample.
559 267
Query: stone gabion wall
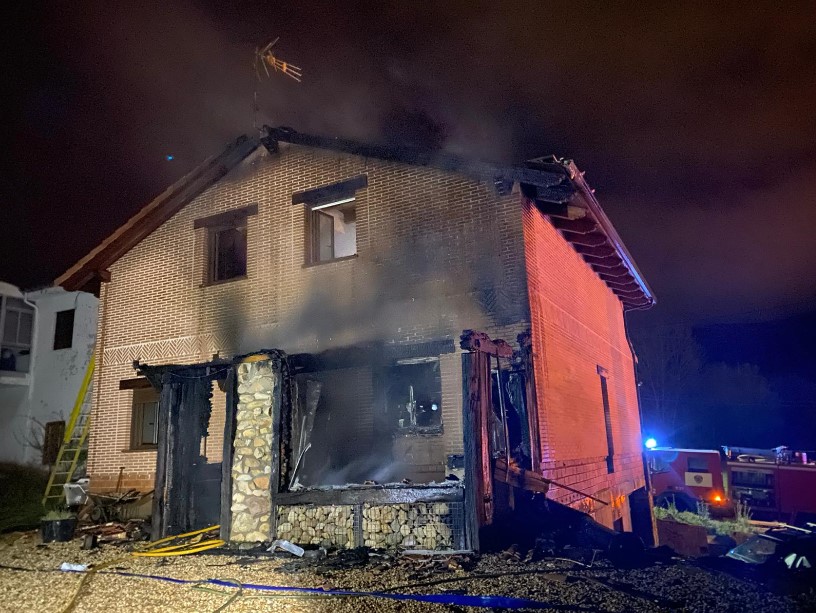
252 458
328 526
421 525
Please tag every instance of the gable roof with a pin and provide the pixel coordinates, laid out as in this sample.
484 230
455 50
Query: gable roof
92 268
555 186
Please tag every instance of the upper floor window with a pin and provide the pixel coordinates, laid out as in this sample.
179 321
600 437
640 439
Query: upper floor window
64 329
226 244
16 327
331 219
334 230
227 249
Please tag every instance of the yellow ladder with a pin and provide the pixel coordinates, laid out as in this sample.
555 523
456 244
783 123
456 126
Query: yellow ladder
74 442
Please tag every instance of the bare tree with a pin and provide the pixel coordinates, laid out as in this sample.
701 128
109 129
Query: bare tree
669 368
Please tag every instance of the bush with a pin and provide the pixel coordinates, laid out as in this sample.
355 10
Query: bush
21 500
741 522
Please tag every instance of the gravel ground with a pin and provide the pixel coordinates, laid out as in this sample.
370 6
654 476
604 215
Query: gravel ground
561 584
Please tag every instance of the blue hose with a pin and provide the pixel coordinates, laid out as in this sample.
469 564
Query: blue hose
505 602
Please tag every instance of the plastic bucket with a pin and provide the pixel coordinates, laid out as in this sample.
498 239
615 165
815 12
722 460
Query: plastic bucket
59 530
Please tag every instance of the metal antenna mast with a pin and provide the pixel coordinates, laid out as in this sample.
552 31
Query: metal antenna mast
265 59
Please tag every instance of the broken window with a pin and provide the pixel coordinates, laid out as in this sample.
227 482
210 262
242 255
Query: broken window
415 394
509 423
16 326
64 329
228 252
144 430
333 230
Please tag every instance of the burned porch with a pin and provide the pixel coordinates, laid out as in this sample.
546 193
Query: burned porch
346 448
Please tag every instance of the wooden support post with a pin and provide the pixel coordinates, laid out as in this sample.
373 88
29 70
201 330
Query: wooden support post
166 401
231 393
470 433
281 378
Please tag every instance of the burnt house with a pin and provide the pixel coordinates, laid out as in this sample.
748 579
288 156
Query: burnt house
347 344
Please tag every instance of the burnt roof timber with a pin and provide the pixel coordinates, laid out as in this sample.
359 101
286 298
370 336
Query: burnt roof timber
593 239
420 157
588 196
602 251
587 225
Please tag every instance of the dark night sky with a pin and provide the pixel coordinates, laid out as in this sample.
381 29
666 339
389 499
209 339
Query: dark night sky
696 125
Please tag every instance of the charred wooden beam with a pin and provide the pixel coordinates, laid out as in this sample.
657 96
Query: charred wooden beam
371 495
226 218
227 450
576 226
470 432
546 195
560 210
609 262
137 383
603 251
471 340
329 193
593 239
621 285
612 274
520 478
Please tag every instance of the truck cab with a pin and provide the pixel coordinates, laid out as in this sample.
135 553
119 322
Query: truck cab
686 477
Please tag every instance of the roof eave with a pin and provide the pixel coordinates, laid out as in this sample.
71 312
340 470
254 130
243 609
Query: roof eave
94 266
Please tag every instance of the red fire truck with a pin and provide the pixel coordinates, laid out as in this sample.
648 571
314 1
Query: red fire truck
777 484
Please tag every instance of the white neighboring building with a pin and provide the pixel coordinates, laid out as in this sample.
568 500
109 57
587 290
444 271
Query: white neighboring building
46 342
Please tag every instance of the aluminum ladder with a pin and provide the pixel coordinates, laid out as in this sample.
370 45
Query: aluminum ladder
73 443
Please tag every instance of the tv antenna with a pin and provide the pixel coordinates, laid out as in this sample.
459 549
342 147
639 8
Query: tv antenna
266 58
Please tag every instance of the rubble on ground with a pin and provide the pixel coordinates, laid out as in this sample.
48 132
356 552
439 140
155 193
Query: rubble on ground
575 579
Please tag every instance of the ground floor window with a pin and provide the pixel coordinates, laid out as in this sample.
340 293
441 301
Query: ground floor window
144 430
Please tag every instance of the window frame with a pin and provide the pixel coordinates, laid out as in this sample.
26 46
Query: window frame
419 361
313 214
65 336
321 198
137 405
603 374
16 348
213 233
231 219
4 310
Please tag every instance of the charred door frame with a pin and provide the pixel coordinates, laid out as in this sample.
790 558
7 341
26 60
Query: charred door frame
476 408
184 414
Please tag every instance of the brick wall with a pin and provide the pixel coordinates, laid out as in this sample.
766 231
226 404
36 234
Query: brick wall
577 325
437 253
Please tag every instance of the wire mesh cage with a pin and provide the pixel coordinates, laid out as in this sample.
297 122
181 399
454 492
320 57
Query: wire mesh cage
327 526
418 525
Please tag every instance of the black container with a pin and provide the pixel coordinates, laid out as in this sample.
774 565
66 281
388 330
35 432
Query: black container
59 530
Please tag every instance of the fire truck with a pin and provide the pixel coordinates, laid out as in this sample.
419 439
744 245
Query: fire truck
776 485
